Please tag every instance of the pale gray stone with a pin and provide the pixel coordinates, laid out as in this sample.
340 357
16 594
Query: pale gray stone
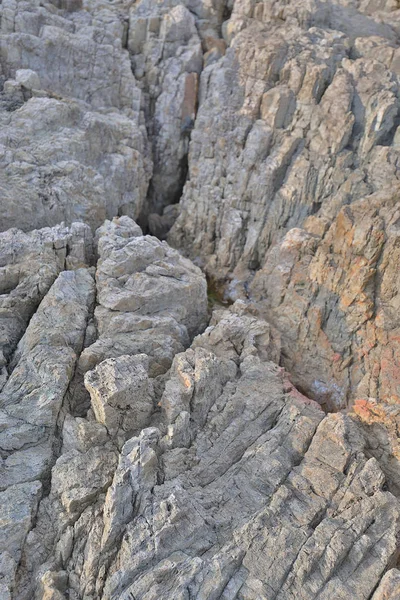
122 395
190 465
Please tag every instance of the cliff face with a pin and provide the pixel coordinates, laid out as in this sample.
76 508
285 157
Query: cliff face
293 186
154 445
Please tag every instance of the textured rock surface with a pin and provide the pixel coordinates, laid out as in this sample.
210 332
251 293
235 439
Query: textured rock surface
293 186
122 394
29 264
43 383
73 142
61 161
167 60
144 455
30 404
244 489
138 281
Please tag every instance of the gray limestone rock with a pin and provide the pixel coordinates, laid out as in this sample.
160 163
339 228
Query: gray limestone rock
138 281
122 395
29 264
62 161
291 198
143 454
167 61
244 490
73 141
31 401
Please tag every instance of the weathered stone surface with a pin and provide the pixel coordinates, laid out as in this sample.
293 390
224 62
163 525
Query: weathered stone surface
29 264
31 400
18 506
122 395
190 465
44 363
389 588
293 186
333 298
73 145
246 489
71 54
60 161
167 60
138 281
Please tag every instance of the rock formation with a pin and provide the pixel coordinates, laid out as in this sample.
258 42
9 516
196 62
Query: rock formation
42 380
292 192
156 443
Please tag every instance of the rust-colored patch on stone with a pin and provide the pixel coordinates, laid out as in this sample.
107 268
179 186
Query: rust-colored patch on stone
369 411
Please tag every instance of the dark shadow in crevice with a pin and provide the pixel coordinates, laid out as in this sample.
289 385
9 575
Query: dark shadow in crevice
159 222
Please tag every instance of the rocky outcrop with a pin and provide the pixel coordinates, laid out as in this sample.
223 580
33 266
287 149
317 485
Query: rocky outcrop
73 141
42 377
241 487
122 394
169 42
83 91
29 265
61 161
138 280
292 189
30 404
153 444
216 476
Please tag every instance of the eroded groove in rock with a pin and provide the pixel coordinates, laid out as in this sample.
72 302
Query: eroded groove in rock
169 43
166 60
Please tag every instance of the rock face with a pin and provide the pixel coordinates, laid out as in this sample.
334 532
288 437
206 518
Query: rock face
42 378
244 489
139 280
73 142
30 404
29 265
153 445
122 394
293 184
61 161
167 60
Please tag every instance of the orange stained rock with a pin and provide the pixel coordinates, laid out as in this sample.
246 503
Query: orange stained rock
369 412
372 413
189 105
390 372
186 380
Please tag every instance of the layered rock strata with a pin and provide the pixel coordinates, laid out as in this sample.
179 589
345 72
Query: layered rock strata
293 184
240 488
